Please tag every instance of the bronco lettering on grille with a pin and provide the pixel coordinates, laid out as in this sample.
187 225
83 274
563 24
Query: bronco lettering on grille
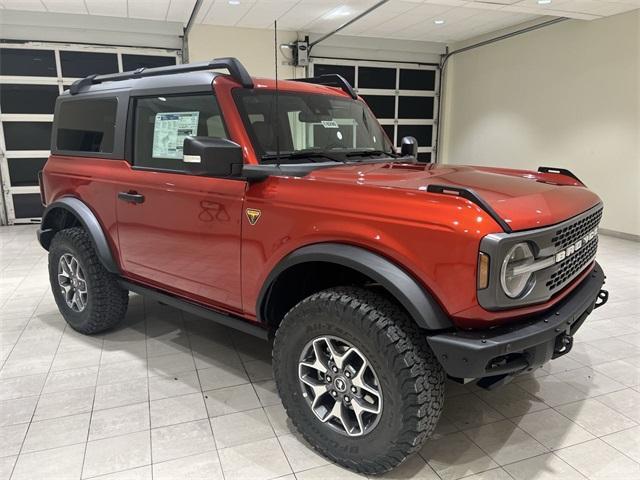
573 248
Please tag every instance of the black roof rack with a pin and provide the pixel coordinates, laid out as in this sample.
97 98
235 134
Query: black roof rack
236 69
561 171
331 80
472 196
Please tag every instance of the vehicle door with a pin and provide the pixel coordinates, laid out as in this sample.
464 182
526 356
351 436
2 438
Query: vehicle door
179 231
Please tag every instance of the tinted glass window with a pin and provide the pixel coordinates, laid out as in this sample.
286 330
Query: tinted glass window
132 62
81 64
87 125
27 62
422 133
382 106
162 124
417 79
349 73
328 124
27 135
415 107
24 171
376 77
28 98
27 205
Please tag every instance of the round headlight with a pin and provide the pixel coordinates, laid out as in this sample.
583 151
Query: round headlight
515 277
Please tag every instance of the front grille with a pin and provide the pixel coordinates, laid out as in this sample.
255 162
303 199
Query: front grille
572 233
571 266
566 236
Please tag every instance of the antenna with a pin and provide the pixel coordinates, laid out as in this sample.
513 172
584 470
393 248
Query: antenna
275 56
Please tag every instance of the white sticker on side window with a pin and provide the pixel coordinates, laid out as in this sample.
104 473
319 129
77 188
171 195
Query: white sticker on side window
329 124
169 131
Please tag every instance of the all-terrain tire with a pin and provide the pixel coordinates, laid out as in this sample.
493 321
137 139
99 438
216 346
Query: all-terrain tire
106 301
410 378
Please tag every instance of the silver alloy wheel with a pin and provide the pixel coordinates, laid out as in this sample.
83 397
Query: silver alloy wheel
73 285
340 386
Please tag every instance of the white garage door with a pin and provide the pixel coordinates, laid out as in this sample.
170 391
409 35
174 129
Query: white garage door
404 96
32 75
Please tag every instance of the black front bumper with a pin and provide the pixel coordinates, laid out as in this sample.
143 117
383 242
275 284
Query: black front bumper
522 346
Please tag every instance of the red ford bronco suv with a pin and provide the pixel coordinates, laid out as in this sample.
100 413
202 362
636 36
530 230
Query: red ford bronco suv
283 210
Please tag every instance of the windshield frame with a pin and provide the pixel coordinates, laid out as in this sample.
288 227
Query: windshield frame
338 155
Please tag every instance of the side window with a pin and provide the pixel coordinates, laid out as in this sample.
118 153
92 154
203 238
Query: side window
162 123
86 125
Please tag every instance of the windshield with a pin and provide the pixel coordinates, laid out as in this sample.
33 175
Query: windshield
310 125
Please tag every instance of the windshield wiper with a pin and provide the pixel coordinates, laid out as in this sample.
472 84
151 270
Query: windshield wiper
369 153
301 154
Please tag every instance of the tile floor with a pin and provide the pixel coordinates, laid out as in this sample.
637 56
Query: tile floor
168 396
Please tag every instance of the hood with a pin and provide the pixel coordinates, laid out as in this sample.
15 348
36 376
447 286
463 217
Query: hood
523 199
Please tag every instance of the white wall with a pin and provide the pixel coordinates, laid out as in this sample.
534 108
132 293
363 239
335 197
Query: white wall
567 95
378 49
253 47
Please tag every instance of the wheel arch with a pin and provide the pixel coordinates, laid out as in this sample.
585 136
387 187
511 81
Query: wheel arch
347 262
68 212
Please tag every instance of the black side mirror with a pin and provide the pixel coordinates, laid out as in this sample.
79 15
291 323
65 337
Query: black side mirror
212 157
409 147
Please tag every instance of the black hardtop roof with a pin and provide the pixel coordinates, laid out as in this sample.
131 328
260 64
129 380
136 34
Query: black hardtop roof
183 82
176 76
189 77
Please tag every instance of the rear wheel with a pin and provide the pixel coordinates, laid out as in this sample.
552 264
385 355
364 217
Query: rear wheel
357 378
87 295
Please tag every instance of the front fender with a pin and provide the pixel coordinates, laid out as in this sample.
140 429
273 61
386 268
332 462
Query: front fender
419 303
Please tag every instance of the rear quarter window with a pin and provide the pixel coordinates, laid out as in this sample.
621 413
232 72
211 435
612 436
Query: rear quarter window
86 126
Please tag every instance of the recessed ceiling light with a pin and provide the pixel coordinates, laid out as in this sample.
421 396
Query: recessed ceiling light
341 11
439 21
544 2
234 2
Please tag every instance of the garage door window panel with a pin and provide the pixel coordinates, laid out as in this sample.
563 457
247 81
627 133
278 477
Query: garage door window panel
23 172
27 135
417 79
81 64
28 99
415 107
27 62
133 62
27 205
376 77
87 126
382 106
162 124
422 133
348 72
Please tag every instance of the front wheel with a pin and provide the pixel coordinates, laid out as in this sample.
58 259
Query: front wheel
357 378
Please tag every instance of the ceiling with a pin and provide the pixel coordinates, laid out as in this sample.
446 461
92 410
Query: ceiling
399 19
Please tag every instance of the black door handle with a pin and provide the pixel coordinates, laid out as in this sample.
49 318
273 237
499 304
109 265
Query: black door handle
131 197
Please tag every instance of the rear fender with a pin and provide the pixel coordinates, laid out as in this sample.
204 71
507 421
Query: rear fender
89 222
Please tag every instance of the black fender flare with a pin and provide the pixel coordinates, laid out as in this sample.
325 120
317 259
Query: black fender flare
88 220
418 302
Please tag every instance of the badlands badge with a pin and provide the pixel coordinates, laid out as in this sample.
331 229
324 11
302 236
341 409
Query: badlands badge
253 214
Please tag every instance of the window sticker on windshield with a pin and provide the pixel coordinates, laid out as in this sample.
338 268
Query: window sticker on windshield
169 131
329 124
339 135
